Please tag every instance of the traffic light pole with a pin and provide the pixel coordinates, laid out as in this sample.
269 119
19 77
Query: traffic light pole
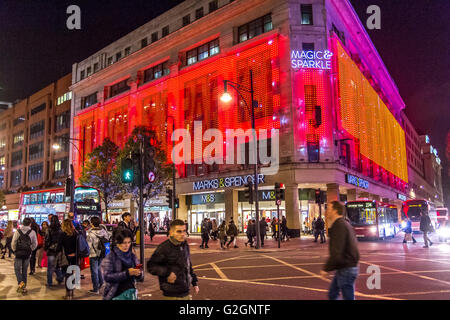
174 210
141 203
72 190
279 233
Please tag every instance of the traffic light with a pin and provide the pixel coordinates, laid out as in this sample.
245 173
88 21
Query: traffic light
69 186
127 172
177 203
318 198
249 192
169 197
279 193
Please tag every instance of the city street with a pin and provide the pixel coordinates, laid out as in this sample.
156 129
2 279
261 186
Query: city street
408 272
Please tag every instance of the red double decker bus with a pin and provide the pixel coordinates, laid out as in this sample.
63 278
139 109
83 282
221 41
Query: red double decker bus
413 209
39 204
372 219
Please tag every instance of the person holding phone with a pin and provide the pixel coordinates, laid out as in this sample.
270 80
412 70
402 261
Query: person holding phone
121 269
171 262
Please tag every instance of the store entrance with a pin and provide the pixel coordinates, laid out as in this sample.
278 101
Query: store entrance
197 218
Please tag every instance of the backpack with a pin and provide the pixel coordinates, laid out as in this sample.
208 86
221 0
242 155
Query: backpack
82 247
40 239
101 246
23 248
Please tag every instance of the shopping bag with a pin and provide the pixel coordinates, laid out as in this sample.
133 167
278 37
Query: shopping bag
44 262
84 264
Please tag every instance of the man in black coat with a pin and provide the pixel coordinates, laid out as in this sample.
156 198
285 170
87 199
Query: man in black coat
171 262
262 230
344 254
425 227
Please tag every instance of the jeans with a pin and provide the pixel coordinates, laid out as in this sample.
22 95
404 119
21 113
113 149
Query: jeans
51 267
21 268
344 280
33 260
231 240
96 272
426 239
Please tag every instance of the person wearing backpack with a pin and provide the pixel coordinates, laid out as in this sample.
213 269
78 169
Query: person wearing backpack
24 242
232 232
96 238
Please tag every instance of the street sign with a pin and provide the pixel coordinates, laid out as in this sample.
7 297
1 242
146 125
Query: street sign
151 176
279 202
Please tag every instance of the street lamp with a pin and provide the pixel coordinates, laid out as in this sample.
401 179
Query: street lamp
56 147
226 97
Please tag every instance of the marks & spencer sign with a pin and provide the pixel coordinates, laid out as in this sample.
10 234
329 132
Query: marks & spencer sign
228 182
356 181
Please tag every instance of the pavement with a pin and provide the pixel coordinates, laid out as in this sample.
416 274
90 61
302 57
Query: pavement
407 272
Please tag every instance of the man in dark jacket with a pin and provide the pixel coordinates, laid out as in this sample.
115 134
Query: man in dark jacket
425 227
320 230
262 230
205 233
344 254
171 262
232 232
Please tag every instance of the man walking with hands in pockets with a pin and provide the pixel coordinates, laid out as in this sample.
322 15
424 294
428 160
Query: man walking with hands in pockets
344 254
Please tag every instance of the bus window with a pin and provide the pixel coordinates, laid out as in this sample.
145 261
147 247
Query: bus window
382 215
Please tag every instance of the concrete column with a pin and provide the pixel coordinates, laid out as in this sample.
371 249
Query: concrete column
292 210
351 195
182 211
231 206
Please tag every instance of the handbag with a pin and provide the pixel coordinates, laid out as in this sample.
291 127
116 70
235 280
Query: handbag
61 259
44 261
130 294
84 263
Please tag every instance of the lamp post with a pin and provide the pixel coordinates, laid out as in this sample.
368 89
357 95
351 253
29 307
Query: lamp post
57 146
226 97
174 210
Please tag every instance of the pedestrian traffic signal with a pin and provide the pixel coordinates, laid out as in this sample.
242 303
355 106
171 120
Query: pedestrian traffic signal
127 170
248 193
169 197
317 194
177 203
320 196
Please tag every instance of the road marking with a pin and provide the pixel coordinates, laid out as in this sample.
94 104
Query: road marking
415 293
219 272
408 272
208 263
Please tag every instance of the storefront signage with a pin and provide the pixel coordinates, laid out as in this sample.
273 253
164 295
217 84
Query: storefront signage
369 204
356 181
401 197
218 197
116 205
311 59
263 195
13 214
237 181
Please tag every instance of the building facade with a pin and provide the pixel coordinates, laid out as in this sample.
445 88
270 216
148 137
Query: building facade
318 81
28 130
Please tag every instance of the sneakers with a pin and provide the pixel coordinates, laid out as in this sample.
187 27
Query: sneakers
21 287
236 247
94 291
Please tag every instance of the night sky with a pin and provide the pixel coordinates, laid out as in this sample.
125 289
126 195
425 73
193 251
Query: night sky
36 48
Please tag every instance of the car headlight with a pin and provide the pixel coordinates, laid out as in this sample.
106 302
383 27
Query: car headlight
373 229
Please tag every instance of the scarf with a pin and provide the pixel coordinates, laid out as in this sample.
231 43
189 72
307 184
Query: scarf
127 258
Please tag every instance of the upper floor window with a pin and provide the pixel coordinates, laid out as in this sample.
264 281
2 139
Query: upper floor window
156 72
2 161
35 172
95 67
165 31
186 20
16 178
18 120
118 88
3 126
16 158
62 121
110 61
36 151
308 46
202 52
18 139
65 97
154 37
199 13
255 28
63 142
118 56
60 167
89 71
38 109
89 100
213 6
143 43
2 144
82 75
127 51
37 129
307 14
